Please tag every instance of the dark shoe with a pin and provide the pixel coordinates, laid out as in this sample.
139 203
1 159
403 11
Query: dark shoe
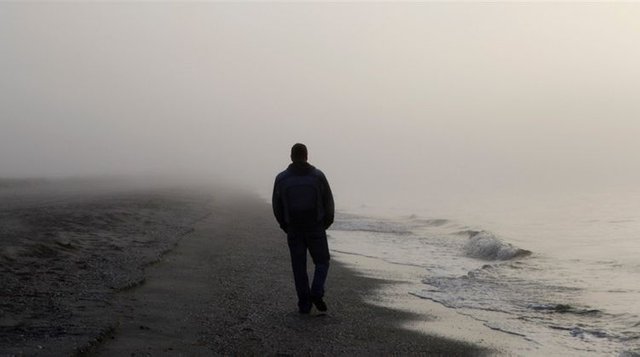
319 303
304 308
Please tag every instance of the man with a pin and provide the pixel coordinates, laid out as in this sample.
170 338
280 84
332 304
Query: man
303 205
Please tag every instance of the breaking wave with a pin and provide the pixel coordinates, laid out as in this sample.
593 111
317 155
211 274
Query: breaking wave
485 245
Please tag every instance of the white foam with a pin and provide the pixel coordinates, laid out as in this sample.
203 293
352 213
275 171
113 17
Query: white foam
485 245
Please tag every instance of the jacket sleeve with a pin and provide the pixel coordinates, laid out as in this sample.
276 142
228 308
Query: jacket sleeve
278 209
327 203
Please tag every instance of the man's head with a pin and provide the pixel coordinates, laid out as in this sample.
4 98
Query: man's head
299 153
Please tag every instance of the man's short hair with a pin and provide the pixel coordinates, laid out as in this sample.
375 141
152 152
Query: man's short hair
298 152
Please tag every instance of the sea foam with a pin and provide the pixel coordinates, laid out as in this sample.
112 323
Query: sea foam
485 245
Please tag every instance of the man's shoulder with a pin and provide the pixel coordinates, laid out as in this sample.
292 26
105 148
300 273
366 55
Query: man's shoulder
282 175
285 174
317 172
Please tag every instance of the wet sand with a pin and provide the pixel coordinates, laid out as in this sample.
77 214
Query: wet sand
227 289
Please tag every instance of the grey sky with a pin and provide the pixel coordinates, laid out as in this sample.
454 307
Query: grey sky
389 97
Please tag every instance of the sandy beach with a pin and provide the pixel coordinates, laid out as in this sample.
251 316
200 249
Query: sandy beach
227 289
220 285
480 156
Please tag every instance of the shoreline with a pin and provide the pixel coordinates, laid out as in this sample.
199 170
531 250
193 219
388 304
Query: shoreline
224 286
227 289
68 250
431 317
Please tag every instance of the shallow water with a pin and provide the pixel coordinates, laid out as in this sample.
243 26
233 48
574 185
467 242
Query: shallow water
65 251
559 272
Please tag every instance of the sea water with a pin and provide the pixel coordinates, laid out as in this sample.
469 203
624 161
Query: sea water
561 271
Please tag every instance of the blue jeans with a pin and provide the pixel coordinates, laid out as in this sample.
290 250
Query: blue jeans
316 243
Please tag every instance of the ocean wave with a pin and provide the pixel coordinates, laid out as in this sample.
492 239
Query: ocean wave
563 308
371 225
429 222
485 245
581 332
467 232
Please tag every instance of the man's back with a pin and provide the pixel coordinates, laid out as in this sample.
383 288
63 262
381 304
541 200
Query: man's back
302 199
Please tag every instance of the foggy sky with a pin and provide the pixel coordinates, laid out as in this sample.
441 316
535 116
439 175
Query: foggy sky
391 99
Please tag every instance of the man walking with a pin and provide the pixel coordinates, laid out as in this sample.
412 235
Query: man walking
303 205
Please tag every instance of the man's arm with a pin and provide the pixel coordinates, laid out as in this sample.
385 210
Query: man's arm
327 202
278 209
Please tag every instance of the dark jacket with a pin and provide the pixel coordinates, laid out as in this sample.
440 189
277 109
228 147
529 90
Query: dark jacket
302 199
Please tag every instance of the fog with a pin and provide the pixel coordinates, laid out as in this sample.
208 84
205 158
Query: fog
394 101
